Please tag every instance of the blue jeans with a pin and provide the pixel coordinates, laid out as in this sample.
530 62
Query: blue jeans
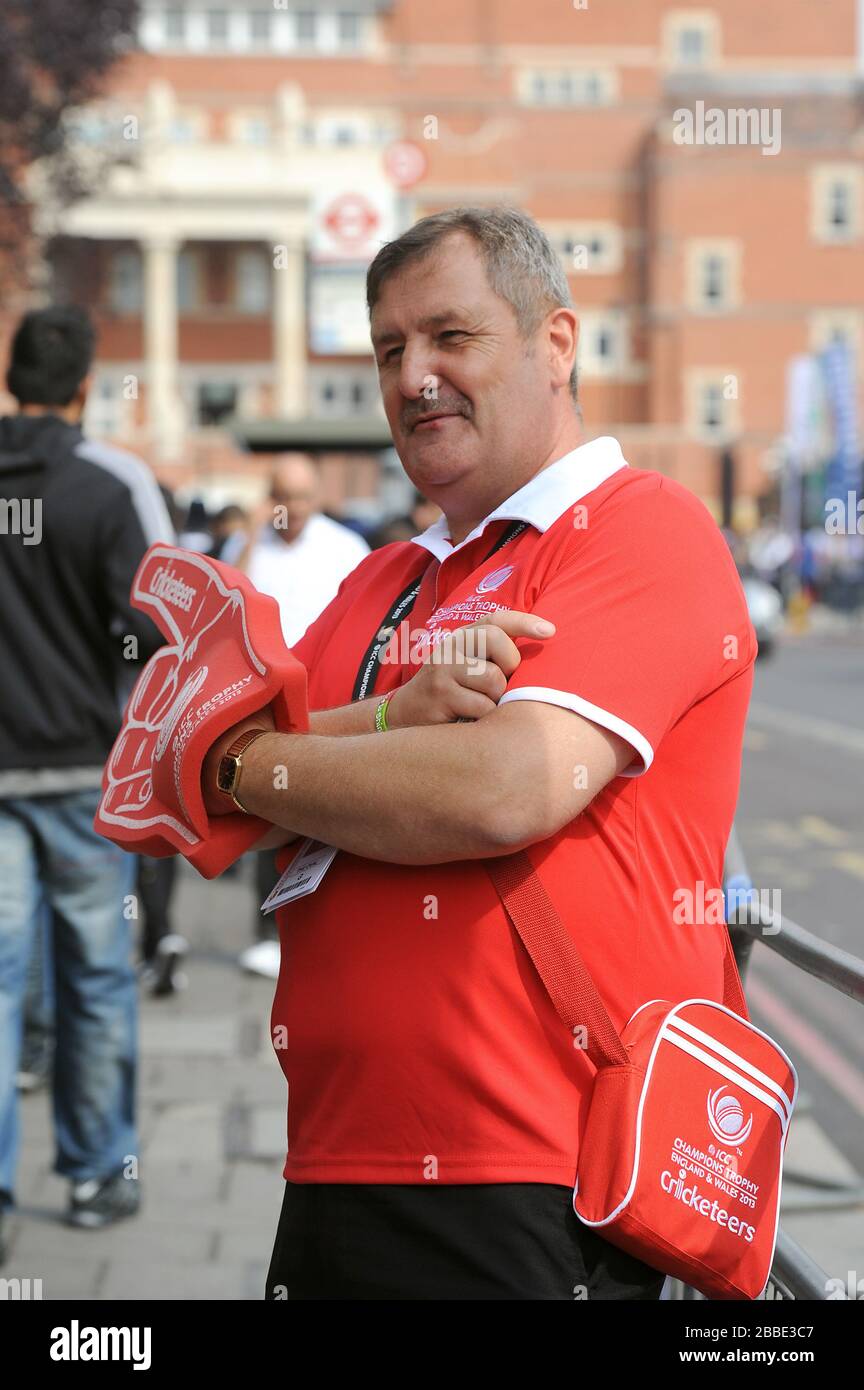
51 858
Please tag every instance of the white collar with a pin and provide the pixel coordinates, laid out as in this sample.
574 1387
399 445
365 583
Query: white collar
544 497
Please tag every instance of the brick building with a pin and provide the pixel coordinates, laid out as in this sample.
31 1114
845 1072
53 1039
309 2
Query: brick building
699 168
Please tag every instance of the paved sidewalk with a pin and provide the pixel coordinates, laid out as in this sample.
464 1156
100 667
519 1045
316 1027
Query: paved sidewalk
212 1116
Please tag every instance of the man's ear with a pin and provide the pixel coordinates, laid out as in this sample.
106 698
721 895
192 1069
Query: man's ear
563 331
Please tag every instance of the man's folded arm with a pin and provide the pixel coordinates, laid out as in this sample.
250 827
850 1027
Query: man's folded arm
437 793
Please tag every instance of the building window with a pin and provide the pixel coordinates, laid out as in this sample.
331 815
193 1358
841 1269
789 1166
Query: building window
307 27
215 402
251 129
175 26
691 39
587 248
217 26
188 291
125 283
348 30
838 325
712 273
714 285
837 198
712 403
106 409
565 86
601 350
252 281
183 130
260 26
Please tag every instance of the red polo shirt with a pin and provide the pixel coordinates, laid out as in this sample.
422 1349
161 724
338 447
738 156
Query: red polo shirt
421 1045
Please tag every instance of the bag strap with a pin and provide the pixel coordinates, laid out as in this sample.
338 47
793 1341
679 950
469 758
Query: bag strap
564 974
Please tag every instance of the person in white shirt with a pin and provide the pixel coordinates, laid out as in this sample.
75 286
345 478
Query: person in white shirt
297 555
300 557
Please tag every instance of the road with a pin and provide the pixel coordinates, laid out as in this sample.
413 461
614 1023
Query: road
801 822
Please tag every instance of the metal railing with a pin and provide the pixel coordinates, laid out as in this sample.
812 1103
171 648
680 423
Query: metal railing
794 1273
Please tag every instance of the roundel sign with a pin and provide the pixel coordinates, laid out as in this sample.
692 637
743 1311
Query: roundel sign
351 220
405 163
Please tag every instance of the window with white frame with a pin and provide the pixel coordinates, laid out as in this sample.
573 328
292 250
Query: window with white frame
829 326
587 248
237 29
566 86
691 39
348 30
306 22
125 285
713 275
175 26
105 414
216 22
712 403
260 27
186 127
252 280
251 127
837 195
339 394
188 276
602 348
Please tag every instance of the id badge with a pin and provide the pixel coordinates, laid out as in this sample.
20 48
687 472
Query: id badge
303 874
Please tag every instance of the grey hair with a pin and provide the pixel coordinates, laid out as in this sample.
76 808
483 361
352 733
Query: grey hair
522 266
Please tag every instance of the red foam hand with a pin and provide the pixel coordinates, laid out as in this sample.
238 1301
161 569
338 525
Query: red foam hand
225 658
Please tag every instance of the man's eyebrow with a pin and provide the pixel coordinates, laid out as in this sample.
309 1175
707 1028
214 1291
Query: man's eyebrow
431 321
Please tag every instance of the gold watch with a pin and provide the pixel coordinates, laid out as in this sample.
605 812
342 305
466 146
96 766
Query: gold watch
231 763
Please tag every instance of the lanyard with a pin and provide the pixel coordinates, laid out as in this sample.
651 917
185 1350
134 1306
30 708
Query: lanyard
398 611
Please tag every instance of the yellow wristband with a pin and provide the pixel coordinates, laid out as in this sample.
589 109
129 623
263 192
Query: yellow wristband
381 714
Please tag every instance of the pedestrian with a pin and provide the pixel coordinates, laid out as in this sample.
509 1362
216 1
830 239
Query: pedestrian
588 708
300 557
80 515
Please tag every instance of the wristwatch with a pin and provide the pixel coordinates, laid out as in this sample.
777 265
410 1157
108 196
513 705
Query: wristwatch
231 763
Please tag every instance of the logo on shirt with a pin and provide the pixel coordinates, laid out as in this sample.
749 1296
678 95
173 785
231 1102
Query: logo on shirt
494 579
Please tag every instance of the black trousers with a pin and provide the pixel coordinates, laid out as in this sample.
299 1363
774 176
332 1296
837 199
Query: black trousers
341 1241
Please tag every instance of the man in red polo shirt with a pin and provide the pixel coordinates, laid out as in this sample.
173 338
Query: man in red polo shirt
436 1099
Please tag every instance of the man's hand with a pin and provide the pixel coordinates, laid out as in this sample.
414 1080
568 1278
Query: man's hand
465 675
216 802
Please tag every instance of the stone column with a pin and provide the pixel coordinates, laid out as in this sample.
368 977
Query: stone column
164 414
289 327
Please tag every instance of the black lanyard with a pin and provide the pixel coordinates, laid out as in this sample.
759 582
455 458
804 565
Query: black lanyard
398 611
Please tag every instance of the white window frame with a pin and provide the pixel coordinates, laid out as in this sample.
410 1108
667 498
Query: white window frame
107 414
525 79
590 364
697 252
698 381
822 179
676 22
606 262
189 256
822 331
136 300
249 255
